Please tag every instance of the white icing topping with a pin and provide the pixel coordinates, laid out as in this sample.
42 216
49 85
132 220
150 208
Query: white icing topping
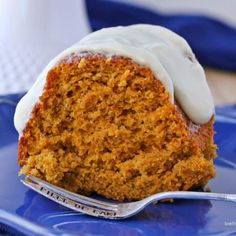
164 52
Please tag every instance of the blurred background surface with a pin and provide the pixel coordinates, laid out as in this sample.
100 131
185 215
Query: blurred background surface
33 32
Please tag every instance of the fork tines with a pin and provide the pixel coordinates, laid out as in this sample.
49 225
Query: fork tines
71 200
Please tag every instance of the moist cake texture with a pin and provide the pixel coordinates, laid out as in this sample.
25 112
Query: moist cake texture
125 113
106 125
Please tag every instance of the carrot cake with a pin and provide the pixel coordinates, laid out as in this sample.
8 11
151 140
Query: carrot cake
124 113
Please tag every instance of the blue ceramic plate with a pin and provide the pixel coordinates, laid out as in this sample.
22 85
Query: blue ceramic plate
27 212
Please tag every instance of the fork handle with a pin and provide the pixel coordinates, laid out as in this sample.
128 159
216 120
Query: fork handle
193 195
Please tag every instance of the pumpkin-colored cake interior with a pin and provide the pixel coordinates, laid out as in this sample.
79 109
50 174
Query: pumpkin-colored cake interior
107 126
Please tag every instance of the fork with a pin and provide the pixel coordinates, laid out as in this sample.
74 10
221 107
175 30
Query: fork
115 211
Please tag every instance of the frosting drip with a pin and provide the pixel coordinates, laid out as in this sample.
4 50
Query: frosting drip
164 52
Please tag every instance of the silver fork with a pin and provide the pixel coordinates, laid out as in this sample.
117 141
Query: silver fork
115 211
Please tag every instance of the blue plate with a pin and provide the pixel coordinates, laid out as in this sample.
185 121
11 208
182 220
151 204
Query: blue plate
25 211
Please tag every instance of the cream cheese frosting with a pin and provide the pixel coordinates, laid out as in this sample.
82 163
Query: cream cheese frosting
167 54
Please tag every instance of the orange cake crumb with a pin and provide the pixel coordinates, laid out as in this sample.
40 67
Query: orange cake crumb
107 126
